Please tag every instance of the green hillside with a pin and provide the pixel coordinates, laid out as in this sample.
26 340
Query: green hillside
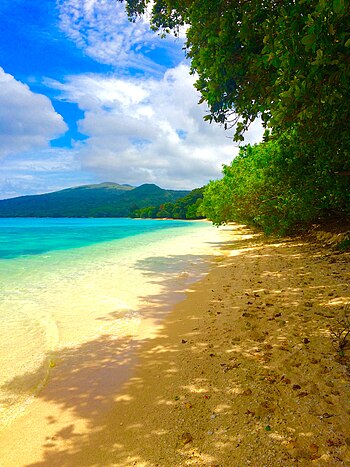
102 200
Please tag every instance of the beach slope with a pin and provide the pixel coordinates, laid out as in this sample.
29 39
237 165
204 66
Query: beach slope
245 371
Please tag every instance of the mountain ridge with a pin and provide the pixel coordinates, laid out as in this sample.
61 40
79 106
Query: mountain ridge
107 199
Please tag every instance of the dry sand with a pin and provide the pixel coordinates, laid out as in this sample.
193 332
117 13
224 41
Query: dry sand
243 372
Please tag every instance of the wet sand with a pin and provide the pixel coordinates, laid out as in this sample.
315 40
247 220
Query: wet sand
244 371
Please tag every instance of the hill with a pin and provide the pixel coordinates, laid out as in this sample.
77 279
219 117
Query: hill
101 200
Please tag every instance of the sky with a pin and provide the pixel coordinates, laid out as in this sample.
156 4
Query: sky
88 97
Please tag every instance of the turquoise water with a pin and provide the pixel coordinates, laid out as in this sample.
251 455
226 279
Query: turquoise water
29 236
67 282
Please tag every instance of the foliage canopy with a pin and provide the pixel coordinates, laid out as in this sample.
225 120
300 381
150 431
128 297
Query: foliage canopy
267 186
187 207
288 63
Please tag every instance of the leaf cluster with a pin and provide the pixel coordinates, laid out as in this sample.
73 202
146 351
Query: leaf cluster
287 61
187 207
279 186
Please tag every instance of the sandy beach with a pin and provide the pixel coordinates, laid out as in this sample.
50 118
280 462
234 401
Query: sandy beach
245 371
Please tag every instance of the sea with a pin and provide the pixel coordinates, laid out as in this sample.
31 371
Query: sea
66 282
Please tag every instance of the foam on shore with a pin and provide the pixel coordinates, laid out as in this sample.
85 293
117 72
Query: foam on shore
61 301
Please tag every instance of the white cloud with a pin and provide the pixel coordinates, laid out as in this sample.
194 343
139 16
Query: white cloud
27 120
41 172
148 130
55 160
22 184
101 28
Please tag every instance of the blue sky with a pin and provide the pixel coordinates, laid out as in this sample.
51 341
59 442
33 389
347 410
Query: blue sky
87 97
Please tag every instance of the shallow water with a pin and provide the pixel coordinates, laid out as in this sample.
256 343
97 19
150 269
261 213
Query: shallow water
65 282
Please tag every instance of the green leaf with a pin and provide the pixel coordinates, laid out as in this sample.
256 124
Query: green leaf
347 43
309 40
331 29
296 91
275 62
338 6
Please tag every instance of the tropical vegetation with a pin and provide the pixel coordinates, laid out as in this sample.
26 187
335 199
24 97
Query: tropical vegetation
187 207
286 63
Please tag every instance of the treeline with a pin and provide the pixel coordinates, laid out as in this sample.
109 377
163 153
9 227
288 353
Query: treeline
187 207
281 185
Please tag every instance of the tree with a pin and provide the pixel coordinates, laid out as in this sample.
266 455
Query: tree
271 186
165 210
286 61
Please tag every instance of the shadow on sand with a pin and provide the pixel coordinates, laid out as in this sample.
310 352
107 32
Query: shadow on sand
137 418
